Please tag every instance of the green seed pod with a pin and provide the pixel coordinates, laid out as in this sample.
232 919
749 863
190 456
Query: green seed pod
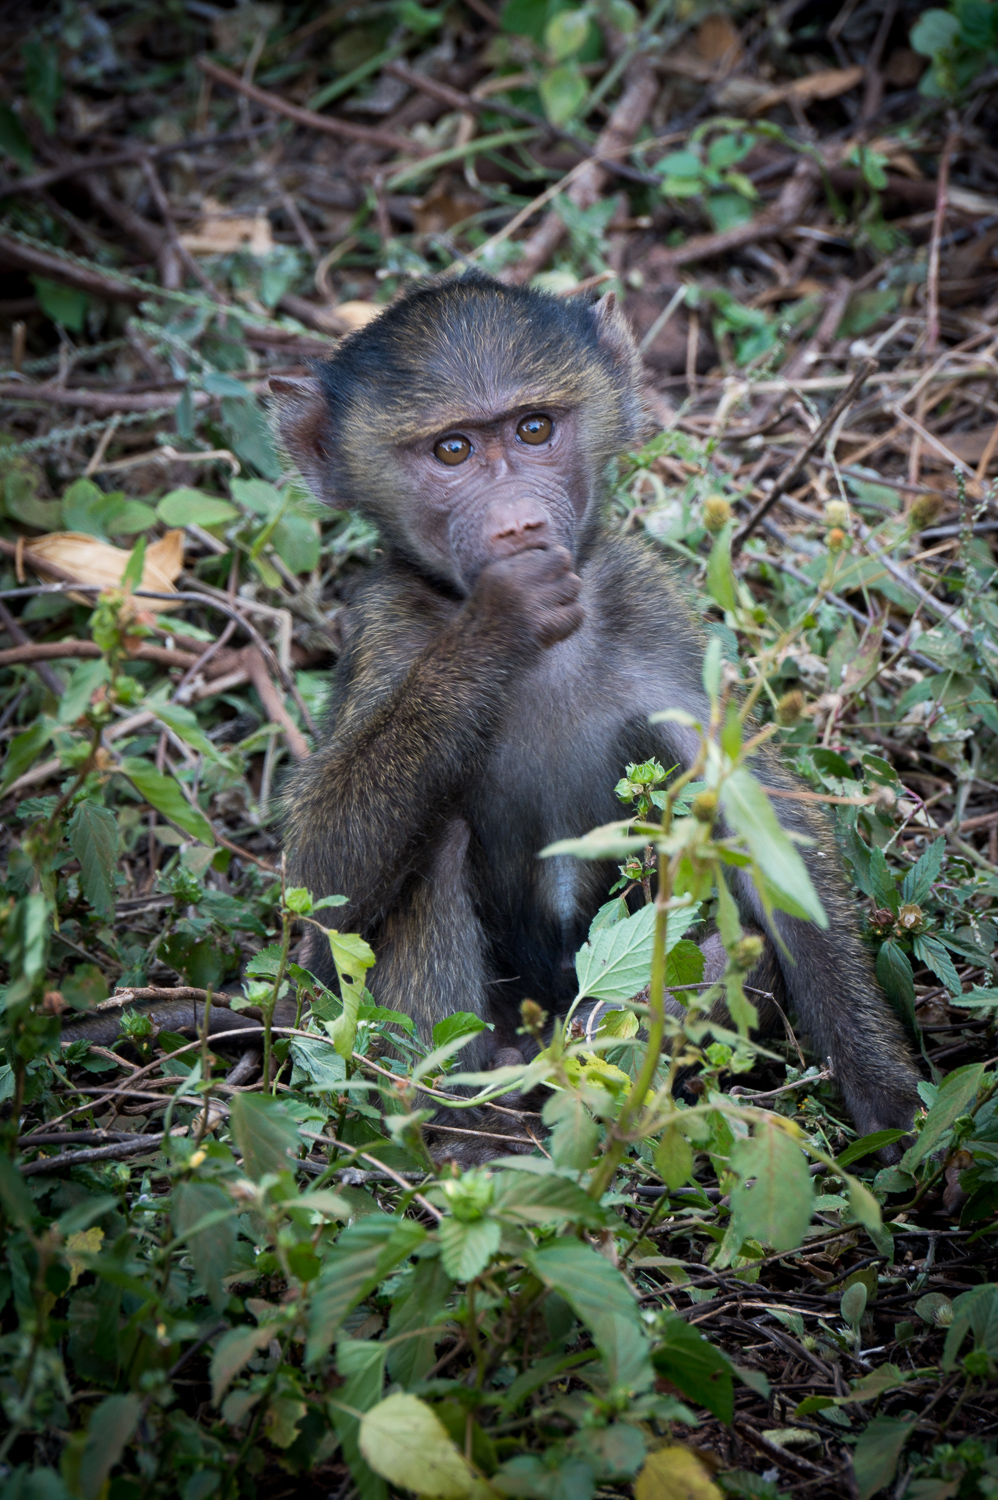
747 953
716 513
704 807
837 513
790 708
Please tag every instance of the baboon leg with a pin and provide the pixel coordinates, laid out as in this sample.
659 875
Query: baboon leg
431 953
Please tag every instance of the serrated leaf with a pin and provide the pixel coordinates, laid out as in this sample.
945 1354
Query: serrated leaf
265 1133
364 1253
210 1248
529 1199
93 838
163 793
674 1158
232 1352
875 1457
23 750
467 1247
956 1093
407 1444
600 1297
751 815
776 1209
575 1136
935 957
691 1362
918 882
185 725
616 964
109 1429
896 978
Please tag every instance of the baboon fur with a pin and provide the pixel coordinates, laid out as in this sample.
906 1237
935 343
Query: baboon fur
457 748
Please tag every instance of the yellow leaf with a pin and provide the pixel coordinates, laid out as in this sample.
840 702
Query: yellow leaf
87 1242
674 1474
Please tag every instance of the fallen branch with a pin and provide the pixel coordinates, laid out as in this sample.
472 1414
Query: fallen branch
329 124
82 165
104 404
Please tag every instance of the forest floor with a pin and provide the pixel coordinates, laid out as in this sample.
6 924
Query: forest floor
797 206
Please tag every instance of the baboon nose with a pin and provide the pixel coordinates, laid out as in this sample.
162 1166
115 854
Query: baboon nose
511 526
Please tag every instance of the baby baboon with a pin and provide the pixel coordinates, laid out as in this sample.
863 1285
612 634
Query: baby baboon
499 669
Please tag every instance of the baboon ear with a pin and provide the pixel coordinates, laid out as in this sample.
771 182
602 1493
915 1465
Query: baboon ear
614 332
303 424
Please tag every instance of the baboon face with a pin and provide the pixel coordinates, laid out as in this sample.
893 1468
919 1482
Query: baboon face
469 421
481 491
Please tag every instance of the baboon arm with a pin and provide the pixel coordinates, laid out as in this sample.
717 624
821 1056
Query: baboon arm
365 811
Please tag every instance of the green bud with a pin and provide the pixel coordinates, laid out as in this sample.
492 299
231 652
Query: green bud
716 513
704 807
747 952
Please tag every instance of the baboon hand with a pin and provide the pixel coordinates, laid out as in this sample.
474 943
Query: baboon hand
534 589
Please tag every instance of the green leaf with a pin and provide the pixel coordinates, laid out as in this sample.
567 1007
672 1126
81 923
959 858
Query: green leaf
974 1311
566 33
131 577
680 164
163 793
616 964
184 507
362 1366
414 1312
407 1444
352 957
23 750
884 885
896 978
211 1248
674 1158
751 815
527 1198
575 1135
467 1247
720 577
85 679
867 1144
598 1295
875 1457
458 1023
42 80
853 1303
934 32
93 838
86 508
184 725
258 495
919 880
296 542
701 1372
364 1253
562 91
250 436
684 964
956 1092
63 304
865 1208
265 1133
233 1350
13 140
935 957
776 1209
109 1429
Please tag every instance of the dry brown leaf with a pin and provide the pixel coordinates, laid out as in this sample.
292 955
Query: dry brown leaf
970 446
221 231
828 84
93 561
346 317
718 41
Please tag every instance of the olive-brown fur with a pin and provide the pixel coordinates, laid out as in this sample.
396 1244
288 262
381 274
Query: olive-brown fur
462 741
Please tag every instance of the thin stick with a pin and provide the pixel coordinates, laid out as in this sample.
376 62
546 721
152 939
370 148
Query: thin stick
796 467
938 223
328 124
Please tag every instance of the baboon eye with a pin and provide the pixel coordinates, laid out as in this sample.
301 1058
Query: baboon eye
452 450
535 429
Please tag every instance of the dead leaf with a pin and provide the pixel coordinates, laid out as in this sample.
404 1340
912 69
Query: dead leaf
93 561
221 231
718 41
828 84
969 446
345 317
